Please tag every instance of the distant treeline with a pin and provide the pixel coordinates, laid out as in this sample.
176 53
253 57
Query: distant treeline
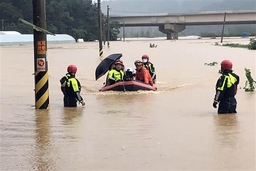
78 18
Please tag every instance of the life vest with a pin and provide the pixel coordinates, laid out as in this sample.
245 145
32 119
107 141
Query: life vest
75 85
116 75
150 68
226 86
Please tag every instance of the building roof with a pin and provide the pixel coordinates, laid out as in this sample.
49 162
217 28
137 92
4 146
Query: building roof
15 38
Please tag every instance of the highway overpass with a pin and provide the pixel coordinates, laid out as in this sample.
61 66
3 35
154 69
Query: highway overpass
172 24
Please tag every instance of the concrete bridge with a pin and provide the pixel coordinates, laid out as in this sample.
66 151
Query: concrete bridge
172 24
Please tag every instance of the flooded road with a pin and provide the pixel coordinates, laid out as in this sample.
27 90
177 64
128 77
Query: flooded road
174 128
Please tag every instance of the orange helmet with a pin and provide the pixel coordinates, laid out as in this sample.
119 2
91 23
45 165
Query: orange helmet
72 69
226 65
137 62
145 57
119 62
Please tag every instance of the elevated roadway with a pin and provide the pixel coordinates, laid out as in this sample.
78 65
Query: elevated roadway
172 24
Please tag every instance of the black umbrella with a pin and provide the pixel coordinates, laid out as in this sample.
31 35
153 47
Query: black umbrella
105 64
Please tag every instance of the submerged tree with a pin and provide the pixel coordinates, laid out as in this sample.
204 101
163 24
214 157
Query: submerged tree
252 44
211 63
249 81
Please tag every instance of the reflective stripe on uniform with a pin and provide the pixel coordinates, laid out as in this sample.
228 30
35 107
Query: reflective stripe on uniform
221 88
217 96
74 84
151 69
116 75
230 79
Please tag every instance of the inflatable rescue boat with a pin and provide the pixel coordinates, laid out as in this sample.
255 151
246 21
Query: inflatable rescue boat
129 86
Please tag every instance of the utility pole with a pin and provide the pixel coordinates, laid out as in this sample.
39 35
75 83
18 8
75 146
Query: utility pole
123 31
108 23
100 30
223 27
40 61
104 32
2 24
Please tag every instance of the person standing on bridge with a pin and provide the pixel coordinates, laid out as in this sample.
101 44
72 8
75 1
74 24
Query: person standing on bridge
226 89
71 88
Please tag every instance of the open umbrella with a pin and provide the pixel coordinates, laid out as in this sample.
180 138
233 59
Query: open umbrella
103 67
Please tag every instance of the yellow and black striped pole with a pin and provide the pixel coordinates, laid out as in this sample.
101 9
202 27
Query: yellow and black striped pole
40 60
100 30
101 52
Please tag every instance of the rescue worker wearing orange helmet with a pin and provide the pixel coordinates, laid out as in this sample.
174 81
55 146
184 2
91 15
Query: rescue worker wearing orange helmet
116 74
142 74
149 66
226 89
71 88
109 69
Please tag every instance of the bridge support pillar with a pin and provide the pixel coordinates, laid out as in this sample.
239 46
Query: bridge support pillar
169 36
172 36
171 30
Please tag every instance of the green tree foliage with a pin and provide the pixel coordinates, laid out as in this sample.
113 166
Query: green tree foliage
78 18
249 81
9 12
114 30
252 44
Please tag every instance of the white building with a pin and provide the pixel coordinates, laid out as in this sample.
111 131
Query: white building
15 38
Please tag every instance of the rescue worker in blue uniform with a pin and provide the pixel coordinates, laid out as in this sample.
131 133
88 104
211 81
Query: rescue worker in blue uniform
71 88
149 66
226 89
116 74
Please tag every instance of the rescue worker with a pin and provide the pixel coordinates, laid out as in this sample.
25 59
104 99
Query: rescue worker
226 88
109 69
71 88
116 74
149 66
142 74
119 60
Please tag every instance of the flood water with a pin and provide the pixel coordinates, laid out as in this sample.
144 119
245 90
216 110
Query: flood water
174 128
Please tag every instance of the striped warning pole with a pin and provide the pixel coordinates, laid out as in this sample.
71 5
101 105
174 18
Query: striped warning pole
40 60
100 30
101 52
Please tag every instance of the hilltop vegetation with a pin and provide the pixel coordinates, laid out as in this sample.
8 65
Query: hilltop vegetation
78 18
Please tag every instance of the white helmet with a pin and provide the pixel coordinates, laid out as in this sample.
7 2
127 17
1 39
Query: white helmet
129 70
